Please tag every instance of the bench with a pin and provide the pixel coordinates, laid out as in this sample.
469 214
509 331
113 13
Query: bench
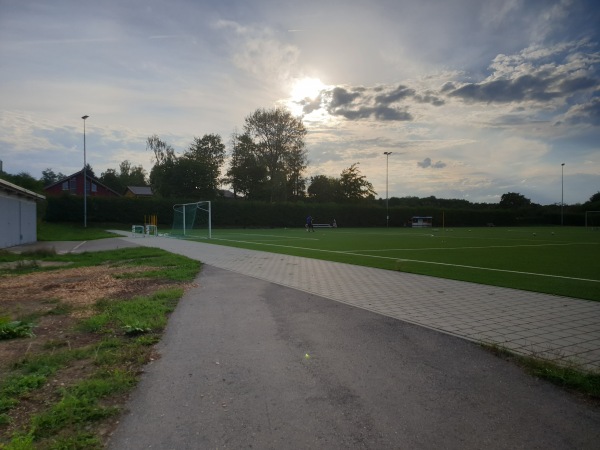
321 225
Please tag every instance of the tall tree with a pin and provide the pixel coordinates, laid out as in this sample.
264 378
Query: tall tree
354 186
324 189
279 144
514 200
202 166
49 177
246 174
162 177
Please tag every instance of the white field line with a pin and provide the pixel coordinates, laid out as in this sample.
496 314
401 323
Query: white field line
412 260
482 247
271 236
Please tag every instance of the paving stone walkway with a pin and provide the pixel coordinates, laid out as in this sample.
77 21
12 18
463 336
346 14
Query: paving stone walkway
559 328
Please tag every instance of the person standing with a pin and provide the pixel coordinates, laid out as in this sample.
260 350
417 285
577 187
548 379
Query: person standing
309 224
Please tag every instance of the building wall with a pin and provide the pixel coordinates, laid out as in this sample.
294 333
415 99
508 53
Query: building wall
17 220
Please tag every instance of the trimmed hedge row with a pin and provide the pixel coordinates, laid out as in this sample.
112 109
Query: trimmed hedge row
246 214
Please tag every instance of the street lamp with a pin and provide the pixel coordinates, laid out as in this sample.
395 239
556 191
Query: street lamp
562 191
387 211
84 178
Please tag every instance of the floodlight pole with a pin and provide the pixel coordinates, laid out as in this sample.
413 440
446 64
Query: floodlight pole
387 210
562 192
84 178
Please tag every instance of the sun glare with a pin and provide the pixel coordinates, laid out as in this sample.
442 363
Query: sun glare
307 88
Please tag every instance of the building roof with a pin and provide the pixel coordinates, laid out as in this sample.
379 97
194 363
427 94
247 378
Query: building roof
6 186
140 190
95 180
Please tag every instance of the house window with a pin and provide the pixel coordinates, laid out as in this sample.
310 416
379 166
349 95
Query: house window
65 186
73 185
94 187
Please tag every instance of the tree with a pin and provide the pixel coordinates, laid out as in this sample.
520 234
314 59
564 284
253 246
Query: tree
131 175
278 139
324 189
161 174
49 177
514 200
111 179
127 175
201 166
354 186
595 198
246 174
24 180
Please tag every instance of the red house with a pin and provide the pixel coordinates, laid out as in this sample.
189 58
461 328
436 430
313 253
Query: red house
73 184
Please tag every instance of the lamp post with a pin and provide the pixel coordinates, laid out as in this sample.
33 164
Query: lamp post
84 178
562 191
387 211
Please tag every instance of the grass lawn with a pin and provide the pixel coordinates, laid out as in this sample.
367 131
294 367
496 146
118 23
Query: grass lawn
554 260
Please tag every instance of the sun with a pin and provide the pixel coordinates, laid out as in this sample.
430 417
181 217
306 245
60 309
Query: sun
307 88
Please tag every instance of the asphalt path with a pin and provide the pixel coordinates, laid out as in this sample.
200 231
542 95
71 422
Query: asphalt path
250 364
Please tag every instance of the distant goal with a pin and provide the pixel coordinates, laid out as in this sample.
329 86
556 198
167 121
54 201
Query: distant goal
192 220
592 220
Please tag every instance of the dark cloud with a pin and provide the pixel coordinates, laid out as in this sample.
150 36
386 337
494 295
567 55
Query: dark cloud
358 104
525 87
577 84
427 163
400 93
341 97
309 106
448 86
429 97
587 113
542 86
365 112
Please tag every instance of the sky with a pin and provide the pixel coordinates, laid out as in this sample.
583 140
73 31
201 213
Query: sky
473 98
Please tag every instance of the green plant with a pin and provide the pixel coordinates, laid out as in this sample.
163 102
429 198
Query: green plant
20 441
567 376
11 329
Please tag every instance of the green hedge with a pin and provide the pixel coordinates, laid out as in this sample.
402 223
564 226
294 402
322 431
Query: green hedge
247 214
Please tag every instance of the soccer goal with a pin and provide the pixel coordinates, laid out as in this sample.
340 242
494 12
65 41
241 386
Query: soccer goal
192 220
592 220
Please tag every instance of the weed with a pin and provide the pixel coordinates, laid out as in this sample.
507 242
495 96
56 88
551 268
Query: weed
80 441
20 442
11 329
566 376
70 410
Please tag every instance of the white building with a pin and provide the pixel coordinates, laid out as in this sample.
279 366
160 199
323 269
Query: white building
18 215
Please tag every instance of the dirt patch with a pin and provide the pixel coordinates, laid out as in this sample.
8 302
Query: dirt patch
56 300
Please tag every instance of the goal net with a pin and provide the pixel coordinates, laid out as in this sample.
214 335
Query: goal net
192 220
592 220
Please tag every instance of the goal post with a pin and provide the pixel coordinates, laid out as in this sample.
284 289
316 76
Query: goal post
592 220
192 220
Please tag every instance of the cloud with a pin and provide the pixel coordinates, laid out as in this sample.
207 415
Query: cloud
539 74
426 163
586 113
259 51
383 103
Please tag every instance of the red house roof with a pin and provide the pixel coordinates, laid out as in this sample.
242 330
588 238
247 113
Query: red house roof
73 184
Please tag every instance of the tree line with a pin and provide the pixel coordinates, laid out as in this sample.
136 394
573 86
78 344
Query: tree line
268 161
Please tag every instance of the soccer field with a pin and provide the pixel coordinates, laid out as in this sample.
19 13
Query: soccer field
556 260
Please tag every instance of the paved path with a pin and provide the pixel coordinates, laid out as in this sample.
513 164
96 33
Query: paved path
553 327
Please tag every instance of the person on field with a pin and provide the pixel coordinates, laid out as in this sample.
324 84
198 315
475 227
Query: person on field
309 224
